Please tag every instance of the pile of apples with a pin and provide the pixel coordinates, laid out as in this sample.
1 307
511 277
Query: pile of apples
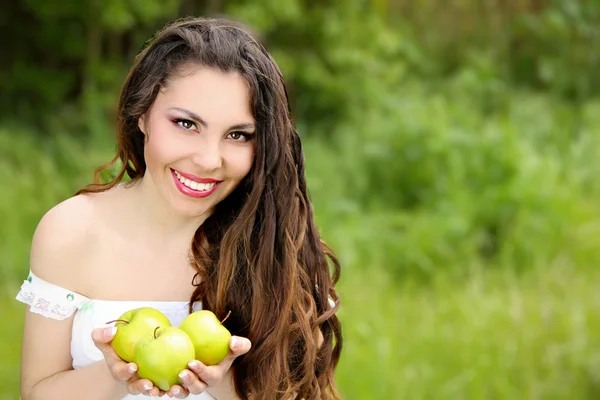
145 337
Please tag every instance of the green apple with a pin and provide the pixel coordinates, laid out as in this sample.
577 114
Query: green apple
210 337
162 355
132 326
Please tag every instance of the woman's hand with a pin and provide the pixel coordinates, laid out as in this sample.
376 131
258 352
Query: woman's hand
199 377
120 370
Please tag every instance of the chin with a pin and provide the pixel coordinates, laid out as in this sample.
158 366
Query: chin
193 212
187 208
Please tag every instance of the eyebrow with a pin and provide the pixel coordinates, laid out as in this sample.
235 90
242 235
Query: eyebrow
196 117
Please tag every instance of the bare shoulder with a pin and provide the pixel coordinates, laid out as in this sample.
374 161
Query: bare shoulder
63 239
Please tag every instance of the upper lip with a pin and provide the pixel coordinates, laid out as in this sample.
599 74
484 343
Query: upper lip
197 179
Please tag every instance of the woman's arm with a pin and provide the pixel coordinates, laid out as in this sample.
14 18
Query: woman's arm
93 382
46 364
46 371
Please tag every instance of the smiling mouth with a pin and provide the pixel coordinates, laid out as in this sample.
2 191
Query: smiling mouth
200 187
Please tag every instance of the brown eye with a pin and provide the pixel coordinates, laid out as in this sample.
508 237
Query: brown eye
186 124
240 136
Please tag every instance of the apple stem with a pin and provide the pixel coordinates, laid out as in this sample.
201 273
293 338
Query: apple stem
155 331
117 320
227 316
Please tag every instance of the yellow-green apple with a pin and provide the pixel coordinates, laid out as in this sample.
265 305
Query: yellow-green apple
162 355
210 337
132 326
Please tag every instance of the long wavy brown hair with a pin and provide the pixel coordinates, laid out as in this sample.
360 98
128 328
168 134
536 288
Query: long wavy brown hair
259 254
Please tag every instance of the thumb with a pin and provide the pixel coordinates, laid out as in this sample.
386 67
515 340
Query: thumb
103 336
239 346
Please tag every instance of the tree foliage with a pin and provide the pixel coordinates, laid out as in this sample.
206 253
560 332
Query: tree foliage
450 122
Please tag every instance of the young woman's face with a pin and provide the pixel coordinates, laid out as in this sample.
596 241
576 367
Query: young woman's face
201 139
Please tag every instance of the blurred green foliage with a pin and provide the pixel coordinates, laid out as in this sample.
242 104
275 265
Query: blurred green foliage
450 154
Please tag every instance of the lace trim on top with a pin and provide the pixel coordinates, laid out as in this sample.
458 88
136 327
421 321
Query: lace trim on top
56 302
48 299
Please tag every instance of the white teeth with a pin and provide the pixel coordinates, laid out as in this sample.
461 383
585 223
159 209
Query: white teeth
201 187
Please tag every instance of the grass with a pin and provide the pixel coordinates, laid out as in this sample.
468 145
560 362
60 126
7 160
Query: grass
10 343
493 336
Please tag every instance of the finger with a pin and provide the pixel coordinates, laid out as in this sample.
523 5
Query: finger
191 382
103 336
210 375
141 386
155 392
214 374
178 392
124 371
238 346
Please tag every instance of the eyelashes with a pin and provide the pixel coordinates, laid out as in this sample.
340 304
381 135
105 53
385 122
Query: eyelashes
182 122
189 125
241 135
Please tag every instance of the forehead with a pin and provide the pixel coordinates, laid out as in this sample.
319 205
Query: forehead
215 95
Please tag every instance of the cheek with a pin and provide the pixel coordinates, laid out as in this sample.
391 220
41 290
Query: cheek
153 153
155 147
244 162
159 149
238 161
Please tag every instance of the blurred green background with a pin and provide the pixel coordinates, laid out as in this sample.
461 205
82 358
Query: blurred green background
450 154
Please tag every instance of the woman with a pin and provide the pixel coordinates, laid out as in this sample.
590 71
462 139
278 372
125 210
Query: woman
216 216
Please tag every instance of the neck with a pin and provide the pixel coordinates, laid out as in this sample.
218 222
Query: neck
156 218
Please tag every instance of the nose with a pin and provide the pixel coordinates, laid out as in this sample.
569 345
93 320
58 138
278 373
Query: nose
208 155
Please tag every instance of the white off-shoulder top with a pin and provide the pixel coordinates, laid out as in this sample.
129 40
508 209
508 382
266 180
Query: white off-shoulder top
58 303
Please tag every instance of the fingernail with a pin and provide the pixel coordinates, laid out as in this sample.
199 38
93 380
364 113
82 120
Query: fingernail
193 364
147 386
175 391
132 368
235 342
183 375
110 332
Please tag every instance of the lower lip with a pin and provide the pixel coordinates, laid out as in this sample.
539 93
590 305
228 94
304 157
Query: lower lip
191 192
